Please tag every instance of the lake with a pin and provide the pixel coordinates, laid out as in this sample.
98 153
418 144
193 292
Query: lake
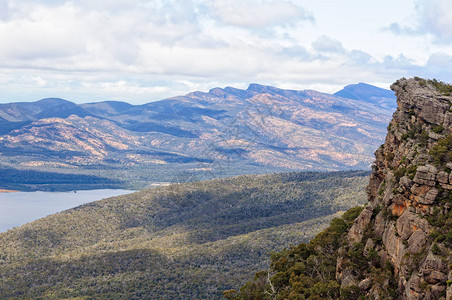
22 207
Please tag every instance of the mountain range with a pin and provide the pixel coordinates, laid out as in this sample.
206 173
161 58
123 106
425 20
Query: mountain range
200 135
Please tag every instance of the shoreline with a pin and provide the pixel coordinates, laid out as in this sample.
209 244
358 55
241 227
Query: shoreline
7 191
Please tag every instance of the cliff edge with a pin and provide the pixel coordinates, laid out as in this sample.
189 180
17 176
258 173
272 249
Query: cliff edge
399 245
407 225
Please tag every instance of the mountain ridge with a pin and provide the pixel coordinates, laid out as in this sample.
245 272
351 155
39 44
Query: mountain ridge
223 132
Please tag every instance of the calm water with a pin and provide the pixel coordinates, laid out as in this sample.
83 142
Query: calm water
19 208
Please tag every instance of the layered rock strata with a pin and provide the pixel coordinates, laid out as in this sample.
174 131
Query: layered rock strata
405 231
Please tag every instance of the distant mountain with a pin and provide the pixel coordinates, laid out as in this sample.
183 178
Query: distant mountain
186 241
200 135
45 108
369 93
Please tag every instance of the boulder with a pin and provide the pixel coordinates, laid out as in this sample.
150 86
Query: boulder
417 241
379 224
446 186
369 246
432 111
443 177
406 182
429 197
348 279
437 291
409 222
426 175
365 284
434 270
422 194
393 245
356 232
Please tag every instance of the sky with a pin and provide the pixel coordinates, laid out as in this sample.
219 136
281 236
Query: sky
146 50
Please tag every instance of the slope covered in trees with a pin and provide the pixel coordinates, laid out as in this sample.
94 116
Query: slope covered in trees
189 241
305 271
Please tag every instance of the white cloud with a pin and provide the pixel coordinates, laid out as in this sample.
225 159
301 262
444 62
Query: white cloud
432 17
327 44
146 50
258 13
43 33
130 88
4 9
440 60
39 81
436 18
73 37
359 57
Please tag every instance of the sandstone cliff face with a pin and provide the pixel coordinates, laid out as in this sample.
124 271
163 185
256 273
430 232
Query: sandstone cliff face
406 229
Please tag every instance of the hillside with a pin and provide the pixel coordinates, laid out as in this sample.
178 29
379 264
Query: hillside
399 246
189 241
220 133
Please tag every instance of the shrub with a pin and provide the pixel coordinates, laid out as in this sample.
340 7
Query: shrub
436 249
442 87
399 173
411 171
442 151
437 129
390 157
350 292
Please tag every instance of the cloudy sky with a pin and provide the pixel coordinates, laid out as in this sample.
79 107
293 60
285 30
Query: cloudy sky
145 50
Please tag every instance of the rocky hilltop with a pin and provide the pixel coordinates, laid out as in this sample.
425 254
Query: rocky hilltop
399 246
407 222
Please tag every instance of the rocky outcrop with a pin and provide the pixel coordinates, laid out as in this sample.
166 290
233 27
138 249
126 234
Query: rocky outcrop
406 229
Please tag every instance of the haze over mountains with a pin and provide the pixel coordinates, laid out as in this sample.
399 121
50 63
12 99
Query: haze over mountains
207 135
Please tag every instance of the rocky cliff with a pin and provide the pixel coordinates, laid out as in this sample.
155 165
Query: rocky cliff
405 231
399 245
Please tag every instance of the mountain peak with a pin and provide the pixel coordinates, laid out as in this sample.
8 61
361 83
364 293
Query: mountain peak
364 91
50 102
369 93
255 87
60 108
258 88
217 91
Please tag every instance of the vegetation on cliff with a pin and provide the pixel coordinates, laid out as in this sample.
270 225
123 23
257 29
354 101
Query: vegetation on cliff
441 86
399 247
305 271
